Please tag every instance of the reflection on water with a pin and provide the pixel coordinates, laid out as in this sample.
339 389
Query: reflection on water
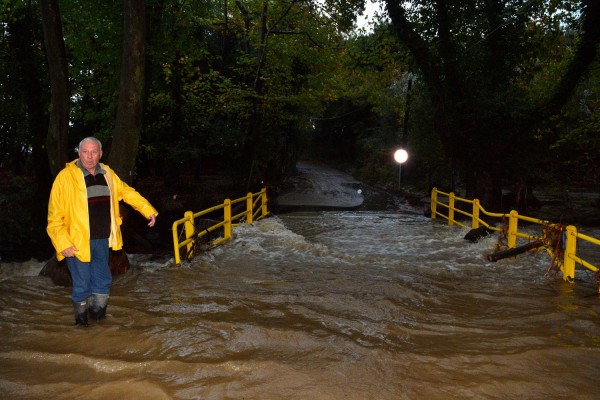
333 305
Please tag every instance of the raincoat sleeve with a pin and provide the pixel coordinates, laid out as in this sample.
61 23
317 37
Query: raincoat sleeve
130 196
58 217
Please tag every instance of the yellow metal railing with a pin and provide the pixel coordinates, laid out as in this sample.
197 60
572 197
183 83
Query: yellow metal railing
568 244
256 208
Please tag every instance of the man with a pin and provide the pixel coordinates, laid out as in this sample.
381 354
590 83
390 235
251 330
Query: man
84 222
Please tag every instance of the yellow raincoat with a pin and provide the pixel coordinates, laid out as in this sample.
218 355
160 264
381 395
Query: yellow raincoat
68 220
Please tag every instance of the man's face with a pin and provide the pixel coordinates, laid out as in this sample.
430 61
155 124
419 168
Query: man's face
89 155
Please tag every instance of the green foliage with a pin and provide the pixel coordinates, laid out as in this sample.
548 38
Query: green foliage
573 158
366 98
488 71
93 43
230 88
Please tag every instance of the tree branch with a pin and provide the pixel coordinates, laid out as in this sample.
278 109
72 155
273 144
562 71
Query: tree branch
416 44
298 33
584 56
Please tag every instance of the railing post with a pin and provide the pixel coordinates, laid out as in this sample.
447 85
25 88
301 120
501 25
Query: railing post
433 203
227 219
263 201
451 209
176 243
249 208
189 229
475 222
513 223
570 249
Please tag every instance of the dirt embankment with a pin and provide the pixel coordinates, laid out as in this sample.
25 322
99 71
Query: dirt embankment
576 207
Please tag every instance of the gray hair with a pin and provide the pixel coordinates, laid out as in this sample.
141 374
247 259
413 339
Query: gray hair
89 139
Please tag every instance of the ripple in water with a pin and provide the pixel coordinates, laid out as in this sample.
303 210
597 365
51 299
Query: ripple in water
327 305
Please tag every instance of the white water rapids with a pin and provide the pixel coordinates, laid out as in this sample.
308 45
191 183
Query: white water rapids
321 305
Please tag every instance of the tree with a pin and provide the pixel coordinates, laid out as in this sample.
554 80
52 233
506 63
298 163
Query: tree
59 83
128 127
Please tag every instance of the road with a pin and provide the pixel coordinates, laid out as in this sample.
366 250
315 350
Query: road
317 186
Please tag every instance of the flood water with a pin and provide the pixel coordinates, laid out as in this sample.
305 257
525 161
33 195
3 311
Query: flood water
323 305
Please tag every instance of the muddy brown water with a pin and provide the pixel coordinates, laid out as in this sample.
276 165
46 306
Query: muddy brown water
313 305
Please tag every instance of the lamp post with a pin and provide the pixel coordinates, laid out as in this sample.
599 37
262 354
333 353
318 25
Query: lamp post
400 156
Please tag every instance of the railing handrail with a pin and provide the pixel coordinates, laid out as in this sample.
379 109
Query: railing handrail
256 209
570 234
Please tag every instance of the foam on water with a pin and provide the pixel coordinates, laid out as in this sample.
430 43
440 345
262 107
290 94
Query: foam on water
28 268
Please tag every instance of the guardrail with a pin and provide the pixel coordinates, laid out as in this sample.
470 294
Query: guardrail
558 240
256 209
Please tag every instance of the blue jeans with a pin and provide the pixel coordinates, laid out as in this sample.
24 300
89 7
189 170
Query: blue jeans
91 277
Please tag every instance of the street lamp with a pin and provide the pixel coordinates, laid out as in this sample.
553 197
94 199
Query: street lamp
400 156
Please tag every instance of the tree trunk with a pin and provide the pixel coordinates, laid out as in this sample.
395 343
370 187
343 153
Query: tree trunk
253 121
57 139
24 33
582 58
128 126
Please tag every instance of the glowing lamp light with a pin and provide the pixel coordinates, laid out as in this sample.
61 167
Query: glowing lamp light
401 156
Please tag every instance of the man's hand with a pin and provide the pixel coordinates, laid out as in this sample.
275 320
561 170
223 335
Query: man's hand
69 252
152 220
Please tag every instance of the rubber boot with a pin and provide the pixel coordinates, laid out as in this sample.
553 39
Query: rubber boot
80 309
98 304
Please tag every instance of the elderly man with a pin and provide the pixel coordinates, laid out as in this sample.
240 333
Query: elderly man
84 222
